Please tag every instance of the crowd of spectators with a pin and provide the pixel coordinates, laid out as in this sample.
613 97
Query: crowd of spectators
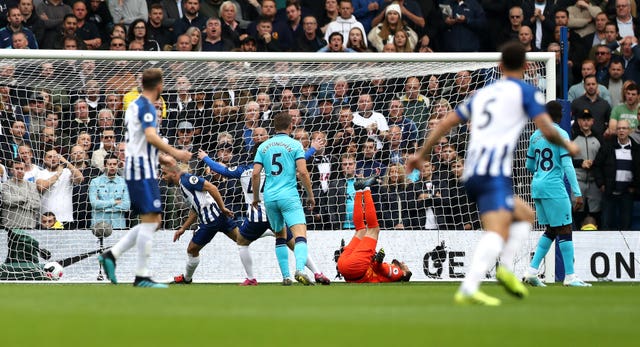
69 137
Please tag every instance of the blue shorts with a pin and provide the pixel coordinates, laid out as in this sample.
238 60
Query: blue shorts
285 212
205 232
490 193
553 212
145 196
253 230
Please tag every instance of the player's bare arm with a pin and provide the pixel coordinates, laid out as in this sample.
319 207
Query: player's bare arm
154 139
255 184
187 223
545 124
215 193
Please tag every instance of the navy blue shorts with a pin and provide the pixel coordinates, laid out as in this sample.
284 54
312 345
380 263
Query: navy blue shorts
205 232
145 196
253 230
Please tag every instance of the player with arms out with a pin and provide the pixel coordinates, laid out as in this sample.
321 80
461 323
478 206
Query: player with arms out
255 223
140 171
549 164
207 207
282 158
497 113
359 262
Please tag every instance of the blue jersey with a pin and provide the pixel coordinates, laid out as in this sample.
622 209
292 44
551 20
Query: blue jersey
141 158
498 113
549 164
278 156
201 201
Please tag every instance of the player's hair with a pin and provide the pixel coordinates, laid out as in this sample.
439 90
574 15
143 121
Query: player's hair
281 121
151 78
554 109
513 56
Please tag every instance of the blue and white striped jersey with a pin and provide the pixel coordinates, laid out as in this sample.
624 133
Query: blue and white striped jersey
141 158
244 173
498 113
201 201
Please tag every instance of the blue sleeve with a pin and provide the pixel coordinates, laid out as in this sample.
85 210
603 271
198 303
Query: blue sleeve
309 153
532 100
570 172
464 110
147 116
258 159
233 172
192 182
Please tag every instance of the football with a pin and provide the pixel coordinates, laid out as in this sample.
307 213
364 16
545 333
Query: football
53 270
102 230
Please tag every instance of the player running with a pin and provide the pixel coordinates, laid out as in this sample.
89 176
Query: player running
549 164
255 223
141 163
497 113
207 207
359 262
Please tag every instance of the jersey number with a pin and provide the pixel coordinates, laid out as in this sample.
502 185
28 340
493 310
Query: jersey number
276 164
544 159
486 113
250 188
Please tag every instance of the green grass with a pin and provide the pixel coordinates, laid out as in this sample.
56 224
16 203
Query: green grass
393 315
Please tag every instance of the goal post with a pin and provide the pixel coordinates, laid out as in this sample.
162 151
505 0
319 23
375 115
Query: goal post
74 101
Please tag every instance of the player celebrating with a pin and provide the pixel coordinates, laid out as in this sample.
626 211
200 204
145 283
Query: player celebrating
282 158
497 113
549 164
141 161
359 262
256 224
207 207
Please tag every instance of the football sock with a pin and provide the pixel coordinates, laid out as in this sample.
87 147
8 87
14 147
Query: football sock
144 243
370 210
358 213
484 257
192 264
312 264
282 254
247 262
541 250
518 233
126 242
301 252
565 243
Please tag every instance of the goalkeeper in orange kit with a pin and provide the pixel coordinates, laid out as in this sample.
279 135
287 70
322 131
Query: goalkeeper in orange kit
359 262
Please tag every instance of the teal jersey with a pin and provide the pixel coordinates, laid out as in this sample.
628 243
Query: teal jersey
278 156
544 159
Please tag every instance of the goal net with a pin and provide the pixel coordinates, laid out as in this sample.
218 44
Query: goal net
62 121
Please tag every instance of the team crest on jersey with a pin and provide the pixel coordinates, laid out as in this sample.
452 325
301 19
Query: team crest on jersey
148 117
395 271
156 203
539 98
509 201
193 179
233 168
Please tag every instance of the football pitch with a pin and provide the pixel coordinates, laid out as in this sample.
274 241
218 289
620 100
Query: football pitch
392 315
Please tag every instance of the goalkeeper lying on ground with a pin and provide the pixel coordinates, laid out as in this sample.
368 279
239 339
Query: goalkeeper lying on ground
359 261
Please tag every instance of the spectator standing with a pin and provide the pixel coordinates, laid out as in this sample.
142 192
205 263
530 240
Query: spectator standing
393 199
384 32
55 183
138 33
598 108
310 40
157 30
15 25
31 20
126 11
52 13
463 26
617 171
109 196
582 16
87 31
589 144
191 18
615 81
344 22
214 40
628 110
20 200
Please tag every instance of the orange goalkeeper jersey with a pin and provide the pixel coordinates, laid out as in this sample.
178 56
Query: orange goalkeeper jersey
380 273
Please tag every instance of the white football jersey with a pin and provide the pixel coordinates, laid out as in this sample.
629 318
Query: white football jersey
141 158
497 113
